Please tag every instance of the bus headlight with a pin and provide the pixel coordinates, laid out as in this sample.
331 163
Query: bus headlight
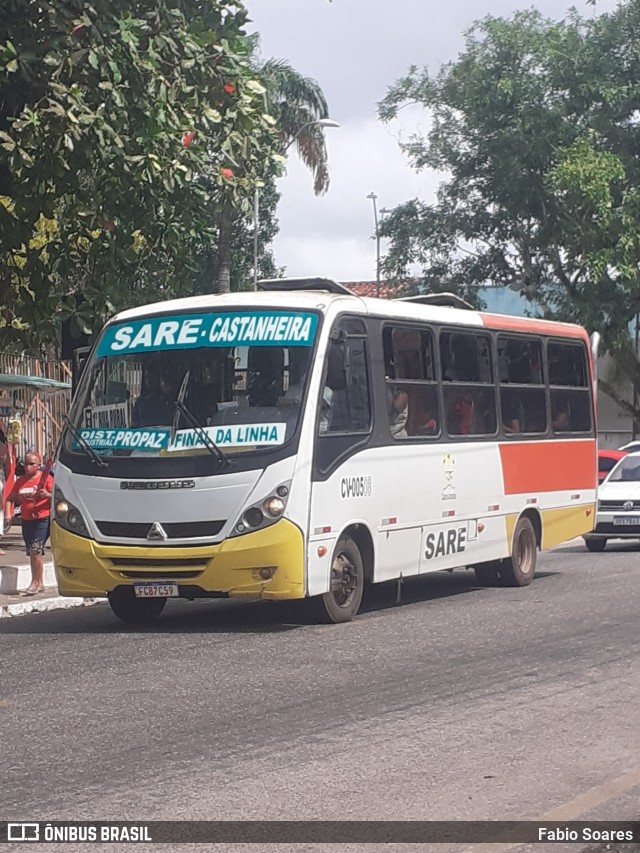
68 516
253 517
274 507
263 513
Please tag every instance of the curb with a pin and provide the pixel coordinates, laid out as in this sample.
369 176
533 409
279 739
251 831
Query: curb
22 608
15 576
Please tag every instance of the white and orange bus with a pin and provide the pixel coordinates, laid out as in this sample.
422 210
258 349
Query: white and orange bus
300 442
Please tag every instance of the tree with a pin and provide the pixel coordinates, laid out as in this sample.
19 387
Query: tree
241 249
296 103
125 129
533 126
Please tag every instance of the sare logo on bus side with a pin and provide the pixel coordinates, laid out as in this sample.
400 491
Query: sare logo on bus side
355 487
442 543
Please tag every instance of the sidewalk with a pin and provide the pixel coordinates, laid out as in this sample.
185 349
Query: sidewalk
15 576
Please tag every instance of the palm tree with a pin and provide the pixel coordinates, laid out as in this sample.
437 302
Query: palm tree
297 103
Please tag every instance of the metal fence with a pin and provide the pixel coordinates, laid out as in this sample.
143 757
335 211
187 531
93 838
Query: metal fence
41 414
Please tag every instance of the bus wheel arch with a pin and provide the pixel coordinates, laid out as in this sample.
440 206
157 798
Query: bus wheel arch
351 566
536 520
509 572
361 535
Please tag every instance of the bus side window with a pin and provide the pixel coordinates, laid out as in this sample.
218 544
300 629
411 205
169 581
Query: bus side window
409 364
468 383
522 393
569 381
345 404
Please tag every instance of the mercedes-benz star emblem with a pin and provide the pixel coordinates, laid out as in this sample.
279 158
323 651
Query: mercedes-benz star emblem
156 531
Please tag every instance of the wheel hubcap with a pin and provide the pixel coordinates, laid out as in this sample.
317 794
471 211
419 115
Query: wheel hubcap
343 579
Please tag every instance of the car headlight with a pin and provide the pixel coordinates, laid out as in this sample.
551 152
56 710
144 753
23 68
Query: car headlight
263 513
67 515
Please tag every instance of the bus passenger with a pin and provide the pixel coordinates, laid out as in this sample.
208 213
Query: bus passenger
398 408
560 417
464 413
511 421
153 407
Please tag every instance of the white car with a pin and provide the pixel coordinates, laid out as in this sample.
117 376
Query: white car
618 512
630 447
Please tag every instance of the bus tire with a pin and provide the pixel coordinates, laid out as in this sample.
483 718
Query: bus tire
520 568
135 611
342 602
595 544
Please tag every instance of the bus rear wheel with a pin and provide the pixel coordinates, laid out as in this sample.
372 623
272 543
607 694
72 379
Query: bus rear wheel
343 600
135 611
519 569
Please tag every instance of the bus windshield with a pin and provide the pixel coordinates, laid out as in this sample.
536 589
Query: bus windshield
169 386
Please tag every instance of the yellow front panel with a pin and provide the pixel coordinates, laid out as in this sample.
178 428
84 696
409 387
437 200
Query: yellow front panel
85 567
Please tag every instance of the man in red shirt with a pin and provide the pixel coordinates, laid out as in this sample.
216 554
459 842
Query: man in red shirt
5 470
33 491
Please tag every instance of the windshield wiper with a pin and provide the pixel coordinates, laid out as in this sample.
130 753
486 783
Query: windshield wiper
84 445
199 430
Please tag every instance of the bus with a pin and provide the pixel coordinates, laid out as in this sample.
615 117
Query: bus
299 442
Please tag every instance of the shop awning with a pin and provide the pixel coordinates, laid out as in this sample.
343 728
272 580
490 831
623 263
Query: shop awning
16 381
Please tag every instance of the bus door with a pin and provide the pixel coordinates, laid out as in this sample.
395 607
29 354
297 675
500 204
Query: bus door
344 464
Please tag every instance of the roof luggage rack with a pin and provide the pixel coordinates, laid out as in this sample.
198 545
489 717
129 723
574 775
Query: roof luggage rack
311 283
449 300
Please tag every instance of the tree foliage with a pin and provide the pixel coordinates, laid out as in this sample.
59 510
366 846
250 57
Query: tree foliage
125 129
298 104
535 129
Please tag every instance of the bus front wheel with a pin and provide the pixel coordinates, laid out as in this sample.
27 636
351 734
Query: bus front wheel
135 611
342 602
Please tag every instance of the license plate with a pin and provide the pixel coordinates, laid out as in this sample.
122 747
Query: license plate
156 589
626 520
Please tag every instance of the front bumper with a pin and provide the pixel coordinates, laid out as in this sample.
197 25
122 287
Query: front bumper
606 529
232 568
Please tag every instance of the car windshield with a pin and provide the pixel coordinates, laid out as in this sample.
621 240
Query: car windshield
240 376
627 470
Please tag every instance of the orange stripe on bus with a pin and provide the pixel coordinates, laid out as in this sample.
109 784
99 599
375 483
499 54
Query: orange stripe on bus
532 326
550 466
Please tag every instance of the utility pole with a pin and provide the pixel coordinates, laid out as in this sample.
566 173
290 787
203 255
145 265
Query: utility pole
321 122
634 421
256 226
374 198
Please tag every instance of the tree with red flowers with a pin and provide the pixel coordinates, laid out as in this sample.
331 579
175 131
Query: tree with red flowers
128 130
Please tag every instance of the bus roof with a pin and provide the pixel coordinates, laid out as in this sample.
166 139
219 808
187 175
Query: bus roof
299 294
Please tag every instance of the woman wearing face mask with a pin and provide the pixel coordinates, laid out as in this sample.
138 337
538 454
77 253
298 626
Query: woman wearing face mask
33 490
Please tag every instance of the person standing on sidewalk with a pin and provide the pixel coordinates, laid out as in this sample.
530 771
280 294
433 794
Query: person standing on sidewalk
5 470
33 490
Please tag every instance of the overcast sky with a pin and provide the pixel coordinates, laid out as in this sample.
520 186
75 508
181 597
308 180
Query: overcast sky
355 49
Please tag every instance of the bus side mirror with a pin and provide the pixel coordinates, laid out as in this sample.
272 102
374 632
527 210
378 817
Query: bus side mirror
80 357
339 365
594 346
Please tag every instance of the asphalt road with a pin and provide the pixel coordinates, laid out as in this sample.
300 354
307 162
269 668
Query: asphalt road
462 703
